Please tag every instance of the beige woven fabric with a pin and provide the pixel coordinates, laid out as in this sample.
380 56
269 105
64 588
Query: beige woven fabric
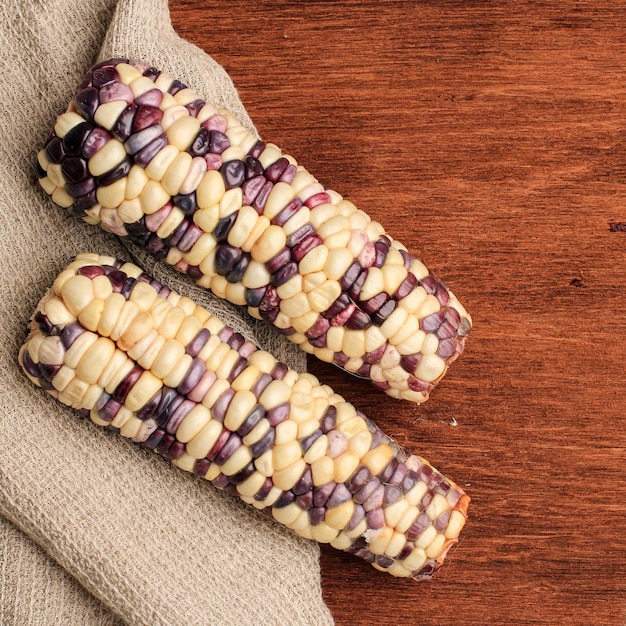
95 530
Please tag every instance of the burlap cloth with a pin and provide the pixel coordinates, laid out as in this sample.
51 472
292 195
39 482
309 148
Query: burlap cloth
95 530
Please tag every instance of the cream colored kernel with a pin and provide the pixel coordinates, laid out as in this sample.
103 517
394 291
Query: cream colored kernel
288 514
153 197
186 96
47 185
112 153
237 461
170 223
216 390
141 392
172 114
131 427
204 246
280 195
217 356
240 407
95 359
107 114
116 369
430 368
270 243
146 360
62 198
285 432
176 375
90 316
455 524
230 202
193 423
277 392
140 85
264 464
197 170
345 465
265 362
135 183
243 226
430 344
160 163
323 533
296 221
210 190
224 369
341 542
251 486
338 240
128 73
257 432
65 122
414 495
74 393
270 154
435 547
339 516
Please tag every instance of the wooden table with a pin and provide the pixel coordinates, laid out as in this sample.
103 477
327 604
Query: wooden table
488 137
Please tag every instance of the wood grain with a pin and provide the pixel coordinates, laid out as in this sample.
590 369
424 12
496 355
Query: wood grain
488 137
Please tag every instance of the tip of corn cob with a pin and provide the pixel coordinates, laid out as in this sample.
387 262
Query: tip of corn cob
144 156
123 349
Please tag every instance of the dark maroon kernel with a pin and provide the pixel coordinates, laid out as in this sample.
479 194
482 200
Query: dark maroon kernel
178 414
74 169
236 274
407 258
152 73
96 139
339 495
234 173
263 444
175 451
366 555
305 484
103 76
446 331
254 167
339 305
319 342
75 137
429 283
194 107
406 286
201 467
274 171
255 416
309 440
86 101
418 527
384 312
86 82
251 189
270 299
139 140
236 340
192 378
263 492
218 142
154 439
415 384
366 491
354 291
226 256
219 444
281 276
278 261
155 245
39 170
261 198
152 97
410 362
128 286
289 174
278 414
305 501
285 498
340 359
301 249
29 365
221 405
198 342
176 86
200 145
174 239
123 389
117 279
375 355
110 410
382 249
189 238
109 63
409 546
257 149
317 199
319 328
359 320
221 481
288 212
147 117
373 304
323 492
351 274
443 295
223 227
54 150
316 515
149 409
119 171
45 326
254 297
364 371
137 229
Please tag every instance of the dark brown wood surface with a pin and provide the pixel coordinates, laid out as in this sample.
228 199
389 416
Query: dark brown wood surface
490 138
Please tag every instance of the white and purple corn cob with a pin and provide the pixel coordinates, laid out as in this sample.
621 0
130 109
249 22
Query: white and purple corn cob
147 158
118 346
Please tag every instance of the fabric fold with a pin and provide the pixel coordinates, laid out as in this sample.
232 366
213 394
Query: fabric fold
117 533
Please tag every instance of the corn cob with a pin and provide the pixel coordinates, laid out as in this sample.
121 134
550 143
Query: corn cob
147 158
119 347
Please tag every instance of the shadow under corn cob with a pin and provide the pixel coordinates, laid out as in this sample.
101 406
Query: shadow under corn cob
116 345
145 157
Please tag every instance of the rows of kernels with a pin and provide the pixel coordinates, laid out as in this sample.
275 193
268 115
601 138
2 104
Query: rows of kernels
148 158
173 378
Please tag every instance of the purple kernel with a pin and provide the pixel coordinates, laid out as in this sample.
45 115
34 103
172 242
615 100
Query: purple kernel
233 443
284 499
152 98
234 173
96 139
375 499
221 405
261 383
236 340
305 246
110 410
257 149
366 491
194 107
86 102
410 362
54 150
319 328
278 261
339 305
418 527
329 420
201 467
278 414
74 170
75 137
431 322
392 494
31 368
254 297
317 199
174 239
279 371
388 471
429 283
193 376
274 171
446 331
375 355
139 140
225 258
351 274
144 156
147 117
192 234
115 91
221 481
270 299
288 212
406 287
103 76
384 561
320 341
398 476
322 493
354 291
367 256
119 171
289 174
305 484
284 274
77 190
239 366
263 492
175 87
243 474
339 495
254 167
151 407
255 416
251 189
218 142
373 304
178 414
357 517
154 439
359 320
447 349
263 444
261 197
175 451
123 389
225 334
200 145
384 312
305 501
236 274
344 316
340 358
375 519
219 444
302 233
358 479
223 227
309 440
316 515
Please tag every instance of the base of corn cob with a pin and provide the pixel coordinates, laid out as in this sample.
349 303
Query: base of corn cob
118 346
147 158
